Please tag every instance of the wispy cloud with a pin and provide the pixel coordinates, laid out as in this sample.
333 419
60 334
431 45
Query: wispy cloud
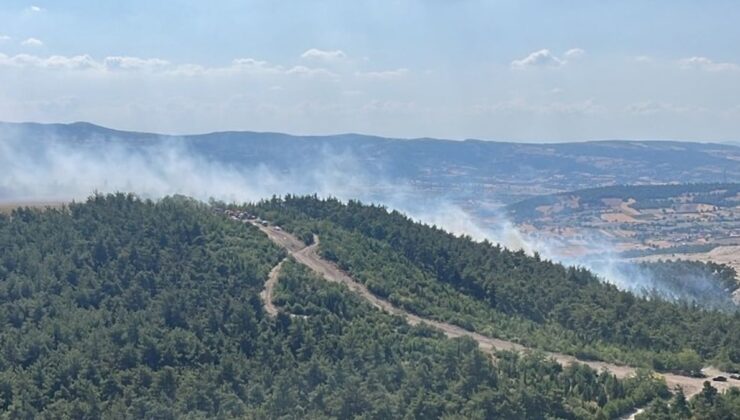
574 53
78 62
53 62
32 42
540 58
585 107
304 71
36 9
544 58
383 75
4 38
245 66
648 108
134 63
706 64
325 55
250 65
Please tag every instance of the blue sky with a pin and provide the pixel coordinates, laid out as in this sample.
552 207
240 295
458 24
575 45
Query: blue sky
504 70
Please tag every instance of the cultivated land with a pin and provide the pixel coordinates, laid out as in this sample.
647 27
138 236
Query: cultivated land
698 222
308 256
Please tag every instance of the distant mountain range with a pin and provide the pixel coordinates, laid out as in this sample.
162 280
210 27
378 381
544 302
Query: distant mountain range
474 170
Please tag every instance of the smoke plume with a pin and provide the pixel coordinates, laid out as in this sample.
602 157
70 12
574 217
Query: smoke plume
56 169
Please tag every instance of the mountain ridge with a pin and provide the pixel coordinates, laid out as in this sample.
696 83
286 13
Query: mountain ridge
89 126
474 174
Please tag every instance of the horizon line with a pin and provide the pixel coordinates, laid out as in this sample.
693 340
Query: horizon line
380 137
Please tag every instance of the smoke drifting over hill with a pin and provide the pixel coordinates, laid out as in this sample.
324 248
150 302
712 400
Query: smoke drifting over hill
52 169
55 170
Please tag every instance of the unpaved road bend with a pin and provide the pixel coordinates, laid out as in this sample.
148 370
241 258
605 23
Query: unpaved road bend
267 293
308 256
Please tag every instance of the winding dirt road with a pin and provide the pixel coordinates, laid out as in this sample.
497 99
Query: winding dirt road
266 294
308 256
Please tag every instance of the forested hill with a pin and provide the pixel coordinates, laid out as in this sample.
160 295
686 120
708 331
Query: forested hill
122 308
507 294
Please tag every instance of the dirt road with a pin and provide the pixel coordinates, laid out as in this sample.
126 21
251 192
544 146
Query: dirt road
266 293
308 256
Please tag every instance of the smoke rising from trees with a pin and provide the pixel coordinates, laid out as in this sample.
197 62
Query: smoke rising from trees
52 169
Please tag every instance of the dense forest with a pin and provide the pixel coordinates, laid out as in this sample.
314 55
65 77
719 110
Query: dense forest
508 294
707 405
705 283
125 308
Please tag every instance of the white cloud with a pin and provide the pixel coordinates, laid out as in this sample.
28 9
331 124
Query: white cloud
382 75
541 58
52 62
245 66
36 9
4 38
574 53
326 55
706 64
189 70
32 42
134 63
545 59
255 66
250 63
81 62
304 71
75 62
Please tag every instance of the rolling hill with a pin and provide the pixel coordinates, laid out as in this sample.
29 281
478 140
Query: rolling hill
466 171
153 309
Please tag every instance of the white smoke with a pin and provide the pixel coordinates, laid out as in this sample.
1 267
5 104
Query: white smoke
57 170
600 258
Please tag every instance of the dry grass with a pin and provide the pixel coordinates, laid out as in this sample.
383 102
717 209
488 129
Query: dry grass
7 207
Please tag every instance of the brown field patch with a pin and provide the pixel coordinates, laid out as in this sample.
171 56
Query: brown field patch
8 207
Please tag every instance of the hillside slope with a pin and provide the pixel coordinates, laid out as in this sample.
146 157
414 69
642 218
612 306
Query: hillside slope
123 307
506 294
308 256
